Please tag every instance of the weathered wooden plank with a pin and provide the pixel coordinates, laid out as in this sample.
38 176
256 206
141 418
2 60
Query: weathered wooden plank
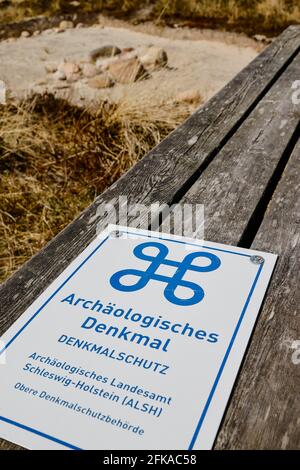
265 410
233 185
231 188
162 175
159 176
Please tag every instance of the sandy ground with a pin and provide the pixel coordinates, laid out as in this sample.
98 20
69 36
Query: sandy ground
200 61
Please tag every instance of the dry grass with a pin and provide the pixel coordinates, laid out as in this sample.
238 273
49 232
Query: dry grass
55 158
234 9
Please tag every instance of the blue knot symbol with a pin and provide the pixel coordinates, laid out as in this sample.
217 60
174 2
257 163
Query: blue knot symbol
172 283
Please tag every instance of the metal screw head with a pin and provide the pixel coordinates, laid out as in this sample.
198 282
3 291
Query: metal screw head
116 234
256 259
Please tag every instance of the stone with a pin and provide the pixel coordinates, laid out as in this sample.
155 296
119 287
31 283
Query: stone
73 77
189 96
103 64
66 24
127 49
25 34
89 70
50 68
154 58
59 75
61 85
128 55
104 51
36 33
40 82
103 80
127 71
79 25
260 38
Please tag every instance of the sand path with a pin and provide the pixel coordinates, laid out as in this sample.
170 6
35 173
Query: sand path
195 62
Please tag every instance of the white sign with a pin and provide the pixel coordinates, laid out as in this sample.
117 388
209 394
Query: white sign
136 345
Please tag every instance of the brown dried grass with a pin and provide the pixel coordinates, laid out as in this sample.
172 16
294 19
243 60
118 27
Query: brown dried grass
272 15
55 158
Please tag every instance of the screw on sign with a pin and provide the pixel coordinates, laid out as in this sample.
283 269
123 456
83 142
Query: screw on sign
256 259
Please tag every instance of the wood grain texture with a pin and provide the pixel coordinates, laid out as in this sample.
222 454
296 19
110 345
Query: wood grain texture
264 412
167 172
235 182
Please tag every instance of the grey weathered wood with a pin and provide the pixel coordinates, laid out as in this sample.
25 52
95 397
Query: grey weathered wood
235 182
159 175
265 410
166 173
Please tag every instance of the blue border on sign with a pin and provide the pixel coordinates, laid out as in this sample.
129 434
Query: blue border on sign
208 402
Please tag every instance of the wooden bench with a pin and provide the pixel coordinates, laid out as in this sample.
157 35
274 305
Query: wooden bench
239 156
